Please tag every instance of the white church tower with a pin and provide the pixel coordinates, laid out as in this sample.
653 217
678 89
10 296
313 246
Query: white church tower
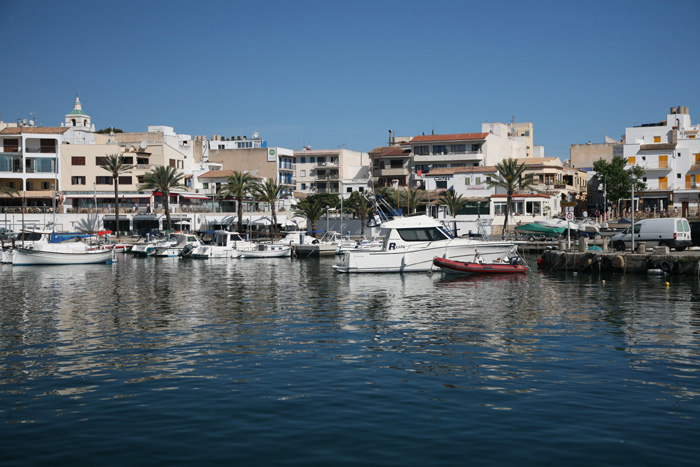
80 129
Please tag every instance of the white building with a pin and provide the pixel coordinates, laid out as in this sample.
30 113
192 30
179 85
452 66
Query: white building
80 128
333 171
669 153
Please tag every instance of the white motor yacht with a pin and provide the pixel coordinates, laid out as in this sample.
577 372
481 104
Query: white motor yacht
224 245
182 243
411 243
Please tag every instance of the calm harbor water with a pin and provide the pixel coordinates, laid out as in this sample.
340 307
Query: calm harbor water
269 362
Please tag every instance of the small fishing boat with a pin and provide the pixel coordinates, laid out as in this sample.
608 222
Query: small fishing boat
449 266
267 251
58 256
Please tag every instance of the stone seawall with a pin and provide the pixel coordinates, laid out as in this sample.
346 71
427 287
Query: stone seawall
597 261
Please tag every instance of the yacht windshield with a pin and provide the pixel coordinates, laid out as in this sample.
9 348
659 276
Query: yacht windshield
422 234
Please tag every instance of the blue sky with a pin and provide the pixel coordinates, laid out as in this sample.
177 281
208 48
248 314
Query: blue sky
331 74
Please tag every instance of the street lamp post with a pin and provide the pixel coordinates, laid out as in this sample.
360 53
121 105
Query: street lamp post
633 180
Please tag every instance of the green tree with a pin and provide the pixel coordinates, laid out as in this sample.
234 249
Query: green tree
164 179
326 200
6 190
310 209
270 192
510 176
617 180
409 198
115 165
454 203
106 131
238 185
358 205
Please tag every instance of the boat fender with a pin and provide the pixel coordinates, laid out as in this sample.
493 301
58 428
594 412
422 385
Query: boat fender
618 262
675 268
665 266
541 263
651 264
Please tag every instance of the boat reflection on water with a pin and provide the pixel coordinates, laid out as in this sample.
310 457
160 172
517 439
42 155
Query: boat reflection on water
451 280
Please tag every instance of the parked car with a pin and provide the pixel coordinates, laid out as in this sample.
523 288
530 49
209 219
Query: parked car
673 232
695 233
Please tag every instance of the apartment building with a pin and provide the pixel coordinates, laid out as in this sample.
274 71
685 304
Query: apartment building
406 161
85 184
336 171
669 153
30 163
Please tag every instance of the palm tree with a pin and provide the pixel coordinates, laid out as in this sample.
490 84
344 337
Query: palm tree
410 198
237 185
164 179
358 205
311 210
115 165
454 203
510 178
6 190
270 192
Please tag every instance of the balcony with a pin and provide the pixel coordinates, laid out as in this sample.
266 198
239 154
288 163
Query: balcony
391 172
327 164
662 166
467 156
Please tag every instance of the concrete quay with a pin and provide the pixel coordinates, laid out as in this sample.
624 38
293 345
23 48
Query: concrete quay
657 261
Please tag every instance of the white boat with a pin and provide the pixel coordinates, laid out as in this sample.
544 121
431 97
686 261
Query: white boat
294 237
267 251
57 256
182 241
374 244
411 243
224 245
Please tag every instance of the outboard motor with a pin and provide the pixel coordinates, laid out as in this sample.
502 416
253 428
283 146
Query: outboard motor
187 250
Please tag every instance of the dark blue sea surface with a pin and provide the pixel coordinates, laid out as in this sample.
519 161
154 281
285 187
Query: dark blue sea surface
284 362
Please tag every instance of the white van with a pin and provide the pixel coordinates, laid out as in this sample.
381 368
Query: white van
673 232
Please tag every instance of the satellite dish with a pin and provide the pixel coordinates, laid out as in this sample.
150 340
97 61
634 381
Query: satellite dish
31 122
143 145
24 121
255 135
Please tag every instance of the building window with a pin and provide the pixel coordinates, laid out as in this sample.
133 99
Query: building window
125 180
440 149
441 184
631 160
103 180
421 150
312 159
349 189
396 163
77 160
303 185
77 180
11 145
303 160
458 148
129 160
361 190
657 139
222 146
678 175
205 186
476 147
101 160
142 160
303 173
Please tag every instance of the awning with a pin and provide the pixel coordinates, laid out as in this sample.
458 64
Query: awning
122 196
196 196
30 194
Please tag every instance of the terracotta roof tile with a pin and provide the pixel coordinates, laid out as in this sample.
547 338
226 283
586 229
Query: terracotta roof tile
453 137
456 170
13 130
657 146
390 151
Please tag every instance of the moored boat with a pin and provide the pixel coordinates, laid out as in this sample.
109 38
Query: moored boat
33 256
449 266
267 251
411 243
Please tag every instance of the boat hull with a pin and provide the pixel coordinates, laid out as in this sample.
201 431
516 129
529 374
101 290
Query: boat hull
420 258
466 268
278 252
31 257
